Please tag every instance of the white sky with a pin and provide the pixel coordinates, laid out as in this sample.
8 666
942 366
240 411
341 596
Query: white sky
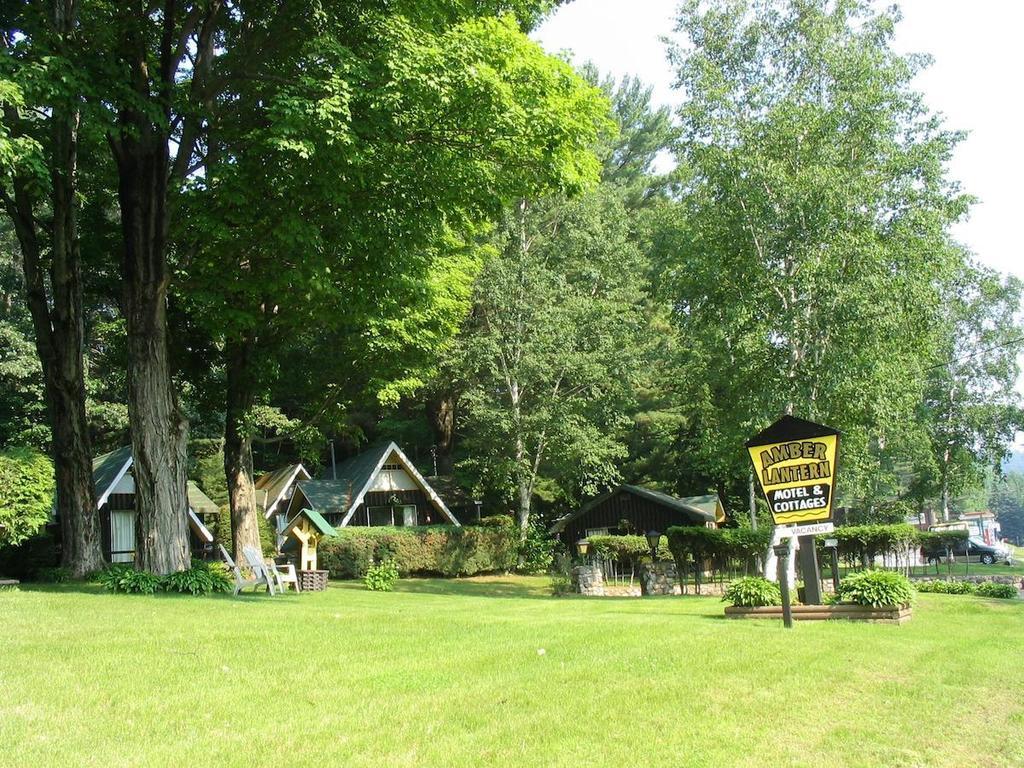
976 47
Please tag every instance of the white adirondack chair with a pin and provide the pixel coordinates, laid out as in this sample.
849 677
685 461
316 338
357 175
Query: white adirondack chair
255 560
260 575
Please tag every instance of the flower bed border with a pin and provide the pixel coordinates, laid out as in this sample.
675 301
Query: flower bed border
887 614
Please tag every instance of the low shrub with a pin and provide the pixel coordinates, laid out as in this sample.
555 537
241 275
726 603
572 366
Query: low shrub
381 577
428 551
537 550
124 578
752 592
30 557
1001 591
876 588
57 574
952 587
201 579
561 575
619 548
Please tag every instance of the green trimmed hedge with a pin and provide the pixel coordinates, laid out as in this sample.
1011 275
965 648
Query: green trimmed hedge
956 587
440 550
722 544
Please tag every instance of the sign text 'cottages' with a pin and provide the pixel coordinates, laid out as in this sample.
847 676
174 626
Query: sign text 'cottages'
795 463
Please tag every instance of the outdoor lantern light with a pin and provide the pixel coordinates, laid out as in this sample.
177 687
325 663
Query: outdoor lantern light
653 539
582 547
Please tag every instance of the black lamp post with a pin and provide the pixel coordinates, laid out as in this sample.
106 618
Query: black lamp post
653 540
782 552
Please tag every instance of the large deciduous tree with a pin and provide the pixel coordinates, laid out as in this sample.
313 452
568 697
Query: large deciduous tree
158 78
41 98
551 350
812 243
347 169
971 408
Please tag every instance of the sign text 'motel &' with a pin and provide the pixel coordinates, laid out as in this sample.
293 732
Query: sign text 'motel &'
795 463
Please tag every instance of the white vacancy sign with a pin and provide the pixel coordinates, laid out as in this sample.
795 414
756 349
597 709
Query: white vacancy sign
783 532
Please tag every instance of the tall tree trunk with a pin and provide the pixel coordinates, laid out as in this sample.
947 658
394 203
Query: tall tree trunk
58 319
238 445
141 150
159 430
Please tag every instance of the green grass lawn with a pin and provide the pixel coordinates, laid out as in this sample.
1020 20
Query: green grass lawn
493 672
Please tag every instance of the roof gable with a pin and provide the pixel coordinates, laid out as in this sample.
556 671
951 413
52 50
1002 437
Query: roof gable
108 469
351 480
692 509
272 487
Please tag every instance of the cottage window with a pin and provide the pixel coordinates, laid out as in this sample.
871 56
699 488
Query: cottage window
398 515
596 532
122 537
379 516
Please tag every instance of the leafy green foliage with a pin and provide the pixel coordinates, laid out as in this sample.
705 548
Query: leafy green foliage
876 588
551 351
1001 591
935 544
437 550
698 542
947 587
971 406
620 548
884 513
382 576
53 575
1007 501
126 579
201 579
958 587
805 260
26 493
32 555
752 591
537 550
867 541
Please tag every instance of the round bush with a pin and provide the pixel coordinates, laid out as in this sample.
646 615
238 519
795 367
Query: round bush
876 588
752 592
381 577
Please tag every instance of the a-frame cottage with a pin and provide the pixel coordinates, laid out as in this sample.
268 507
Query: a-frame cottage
634 509
115 499
379 486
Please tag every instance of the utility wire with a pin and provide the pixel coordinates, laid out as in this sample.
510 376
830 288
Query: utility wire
975 353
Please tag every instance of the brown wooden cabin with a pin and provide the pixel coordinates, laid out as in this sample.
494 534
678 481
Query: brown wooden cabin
632 509
378 487
115 497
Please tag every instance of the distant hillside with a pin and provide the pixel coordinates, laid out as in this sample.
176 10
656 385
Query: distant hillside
1015 463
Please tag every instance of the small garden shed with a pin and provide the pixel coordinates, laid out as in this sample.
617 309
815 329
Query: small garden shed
634 509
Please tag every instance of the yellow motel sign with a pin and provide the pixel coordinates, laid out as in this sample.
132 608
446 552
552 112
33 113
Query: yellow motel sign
795 464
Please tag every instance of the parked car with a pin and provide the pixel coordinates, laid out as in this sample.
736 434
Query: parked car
974 547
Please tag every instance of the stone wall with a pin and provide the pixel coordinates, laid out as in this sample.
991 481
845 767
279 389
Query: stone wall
588 580
658 578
